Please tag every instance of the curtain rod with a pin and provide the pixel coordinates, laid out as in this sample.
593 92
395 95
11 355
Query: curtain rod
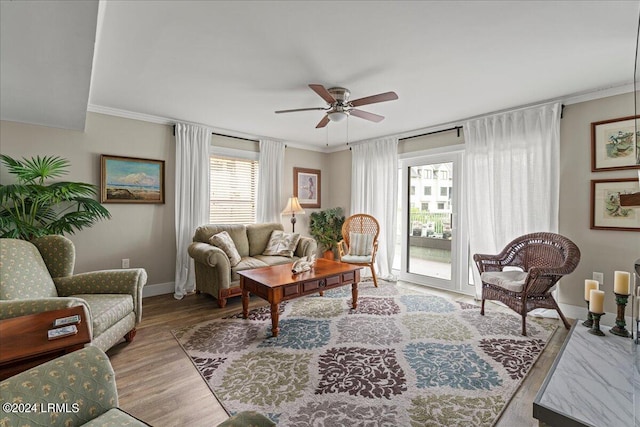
456 128
226 136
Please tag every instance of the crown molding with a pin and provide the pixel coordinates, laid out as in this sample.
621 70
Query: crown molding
570 99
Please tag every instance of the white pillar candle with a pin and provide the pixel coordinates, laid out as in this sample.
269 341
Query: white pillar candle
588 286
596 301
621 282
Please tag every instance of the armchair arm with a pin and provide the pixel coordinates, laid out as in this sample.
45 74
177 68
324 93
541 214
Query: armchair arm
342 249
22 307
82 383
129 281
487 262
207 254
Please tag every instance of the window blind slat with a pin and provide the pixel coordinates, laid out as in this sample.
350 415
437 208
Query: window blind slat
233 184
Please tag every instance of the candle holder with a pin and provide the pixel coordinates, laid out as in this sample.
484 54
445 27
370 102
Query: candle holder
595 329
620 328
589 322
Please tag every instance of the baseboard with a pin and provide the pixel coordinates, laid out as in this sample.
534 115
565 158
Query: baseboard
608 319
158 289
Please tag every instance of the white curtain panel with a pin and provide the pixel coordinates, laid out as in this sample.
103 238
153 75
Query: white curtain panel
374 191
511 177
192 198
271 165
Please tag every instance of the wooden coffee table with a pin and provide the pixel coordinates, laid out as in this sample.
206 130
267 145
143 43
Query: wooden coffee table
24 342
277 283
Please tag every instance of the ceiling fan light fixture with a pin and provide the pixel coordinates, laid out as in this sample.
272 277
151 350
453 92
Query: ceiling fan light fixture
337 116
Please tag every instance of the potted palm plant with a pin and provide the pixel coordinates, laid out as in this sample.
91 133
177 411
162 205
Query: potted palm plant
326 227
34 207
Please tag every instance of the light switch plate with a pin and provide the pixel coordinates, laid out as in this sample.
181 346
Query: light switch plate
599 277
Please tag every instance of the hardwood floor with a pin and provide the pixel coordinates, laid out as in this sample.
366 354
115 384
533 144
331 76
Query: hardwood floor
158 383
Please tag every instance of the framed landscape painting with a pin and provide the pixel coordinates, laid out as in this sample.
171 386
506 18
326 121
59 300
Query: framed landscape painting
306 187
131 180
606 212
615 144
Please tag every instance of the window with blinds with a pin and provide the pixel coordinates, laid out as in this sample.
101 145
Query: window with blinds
233 186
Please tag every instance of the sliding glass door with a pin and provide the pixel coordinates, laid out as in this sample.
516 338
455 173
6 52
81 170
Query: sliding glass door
431 239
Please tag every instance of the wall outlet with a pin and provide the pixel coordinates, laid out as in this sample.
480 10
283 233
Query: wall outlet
125 263
599 277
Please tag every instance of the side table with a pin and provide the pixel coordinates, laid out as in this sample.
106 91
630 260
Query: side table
24 343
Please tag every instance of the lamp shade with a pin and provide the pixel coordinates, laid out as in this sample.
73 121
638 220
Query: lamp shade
293 207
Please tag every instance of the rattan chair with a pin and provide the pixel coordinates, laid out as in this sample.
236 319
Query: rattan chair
543 259
365 229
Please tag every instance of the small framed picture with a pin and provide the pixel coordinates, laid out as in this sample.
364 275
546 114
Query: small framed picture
606 212
131 180
615 144
306 187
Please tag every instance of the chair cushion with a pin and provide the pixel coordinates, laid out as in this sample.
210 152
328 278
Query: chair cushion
510 280
115 417
107 309
356 259
360 244
282 243
224 242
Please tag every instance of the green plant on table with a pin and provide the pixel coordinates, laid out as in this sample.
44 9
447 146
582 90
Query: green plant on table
33 207
326 227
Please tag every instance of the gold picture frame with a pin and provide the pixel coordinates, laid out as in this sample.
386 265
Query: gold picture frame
131 180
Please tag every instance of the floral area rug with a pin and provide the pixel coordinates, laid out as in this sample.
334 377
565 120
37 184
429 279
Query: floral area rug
402 358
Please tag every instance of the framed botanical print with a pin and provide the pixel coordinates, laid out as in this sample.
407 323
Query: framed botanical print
606 212
306 187
615 144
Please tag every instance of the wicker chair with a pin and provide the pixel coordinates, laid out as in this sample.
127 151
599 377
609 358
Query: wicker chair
543 257
365 229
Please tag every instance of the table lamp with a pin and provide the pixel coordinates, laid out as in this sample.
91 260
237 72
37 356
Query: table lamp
293 207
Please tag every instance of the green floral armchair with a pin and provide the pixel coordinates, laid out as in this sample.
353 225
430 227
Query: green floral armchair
38 276
73 390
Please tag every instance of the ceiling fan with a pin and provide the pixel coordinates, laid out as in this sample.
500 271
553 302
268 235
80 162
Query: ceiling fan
339 106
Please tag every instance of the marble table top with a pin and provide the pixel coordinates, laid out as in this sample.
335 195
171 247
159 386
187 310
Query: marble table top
595 381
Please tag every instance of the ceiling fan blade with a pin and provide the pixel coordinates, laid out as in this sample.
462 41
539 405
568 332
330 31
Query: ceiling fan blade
324 93
366 115
300 109
381 97
323 122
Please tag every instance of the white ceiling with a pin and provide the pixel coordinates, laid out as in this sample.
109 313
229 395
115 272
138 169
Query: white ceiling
230 65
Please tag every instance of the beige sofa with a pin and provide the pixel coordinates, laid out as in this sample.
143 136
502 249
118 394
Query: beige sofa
214 273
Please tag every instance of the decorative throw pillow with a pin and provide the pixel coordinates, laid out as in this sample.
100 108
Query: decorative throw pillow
281 243
360 244
223 241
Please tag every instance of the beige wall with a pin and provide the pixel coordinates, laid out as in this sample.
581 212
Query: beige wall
602 250
143 233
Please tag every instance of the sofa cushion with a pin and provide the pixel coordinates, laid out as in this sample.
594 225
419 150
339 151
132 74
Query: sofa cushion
275 259
224 242
259 235
282 243
107 309
509 280
238 233
360 244
246 263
